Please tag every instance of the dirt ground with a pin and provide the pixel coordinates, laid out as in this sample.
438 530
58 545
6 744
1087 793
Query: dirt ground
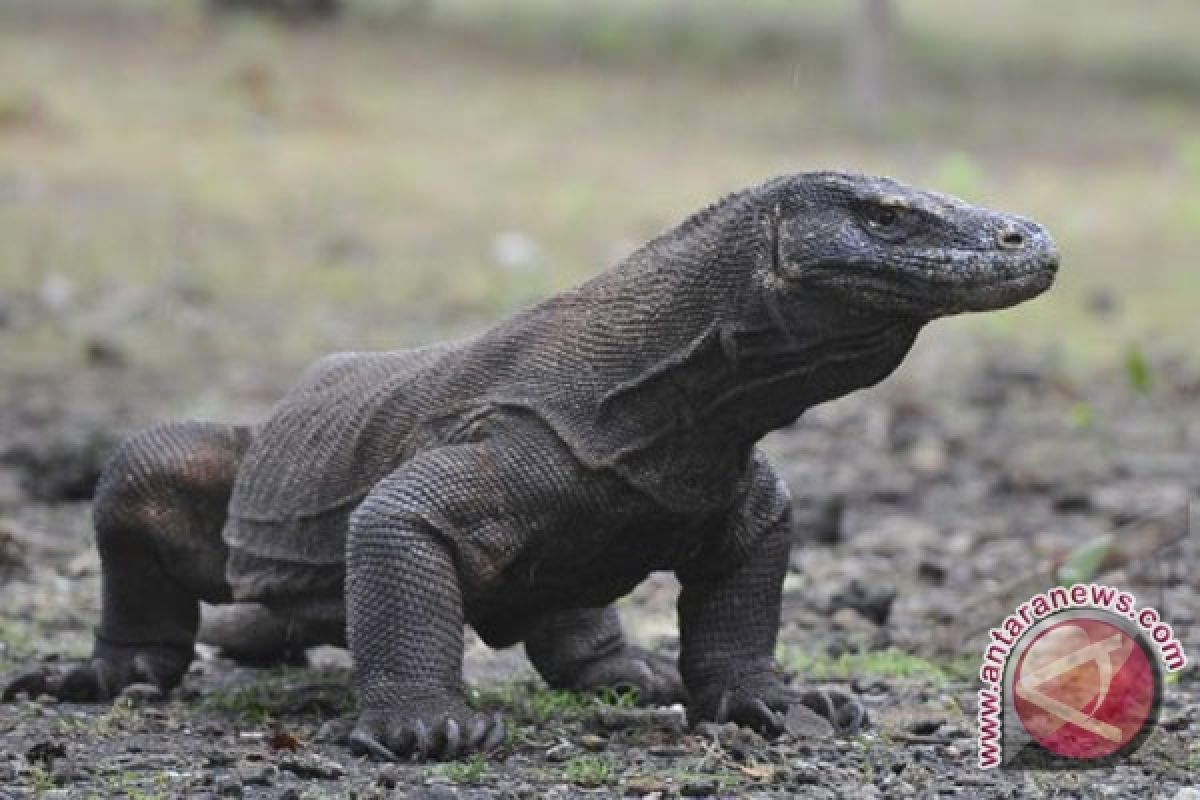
929 507
190 209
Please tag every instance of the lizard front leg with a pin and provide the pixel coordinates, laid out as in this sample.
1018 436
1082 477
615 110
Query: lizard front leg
729 622
425 541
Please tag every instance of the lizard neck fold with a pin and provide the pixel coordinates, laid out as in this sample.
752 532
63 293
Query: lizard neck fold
692 357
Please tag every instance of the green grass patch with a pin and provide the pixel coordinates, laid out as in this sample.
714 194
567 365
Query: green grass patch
466 771
530 703
589 771
285 691
889 663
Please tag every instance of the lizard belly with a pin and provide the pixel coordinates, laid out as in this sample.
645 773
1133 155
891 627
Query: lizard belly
590 566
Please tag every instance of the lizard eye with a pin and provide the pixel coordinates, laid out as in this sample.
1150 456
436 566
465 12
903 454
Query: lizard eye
881 217
887 222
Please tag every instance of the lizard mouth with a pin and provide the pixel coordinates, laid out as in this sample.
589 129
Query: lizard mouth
960 281
1006 284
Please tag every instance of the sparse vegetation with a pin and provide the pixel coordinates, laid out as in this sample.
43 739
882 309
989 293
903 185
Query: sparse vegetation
588 770
887 663
470 770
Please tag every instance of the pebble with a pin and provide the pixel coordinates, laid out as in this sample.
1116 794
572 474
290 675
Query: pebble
593 743
63 771
667 750
805 773
851 620
311 765
614 718
264 775
872 602
229 786
388 776
560 752
139 693
706 787
802 721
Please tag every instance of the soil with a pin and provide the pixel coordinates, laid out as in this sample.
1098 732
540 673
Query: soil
928 509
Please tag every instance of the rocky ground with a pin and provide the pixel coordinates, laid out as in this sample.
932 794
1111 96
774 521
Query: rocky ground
928 508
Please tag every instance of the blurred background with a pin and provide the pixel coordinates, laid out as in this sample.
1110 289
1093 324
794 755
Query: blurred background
205 188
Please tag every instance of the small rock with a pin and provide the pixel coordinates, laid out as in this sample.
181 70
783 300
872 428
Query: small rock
932 571
806 773
592 742
311 765
667 750
63 772
1187 793
717 731
327 657
388 777
825 524
613 718
219 759
873 602
264 775
139 693
560 752
45 752
1134 500
104 353
704 787
928 456
289 794
646 785
229 786
802 721
849 619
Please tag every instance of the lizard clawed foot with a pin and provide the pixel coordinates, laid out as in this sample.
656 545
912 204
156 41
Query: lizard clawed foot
762 701
401 734
654 678
111 668
842 709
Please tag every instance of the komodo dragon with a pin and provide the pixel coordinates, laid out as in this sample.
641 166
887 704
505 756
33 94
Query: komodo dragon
522 480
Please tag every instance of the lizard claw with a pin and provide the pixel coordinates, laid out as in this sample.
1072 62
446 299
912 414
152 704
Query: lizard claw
399 735
843 710
112 667
363 743
33 683
761 701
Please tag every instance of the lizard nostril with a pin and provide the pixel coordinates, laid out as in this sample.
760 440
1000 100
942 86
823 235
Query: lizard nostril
1011 238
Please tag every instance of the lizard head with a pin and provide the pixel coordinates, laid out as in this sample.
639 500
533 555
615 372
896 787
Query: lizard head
886 248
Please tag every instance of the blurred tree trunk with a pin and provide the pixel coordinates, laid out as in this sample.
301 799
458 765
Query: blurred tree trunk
870 61
298 10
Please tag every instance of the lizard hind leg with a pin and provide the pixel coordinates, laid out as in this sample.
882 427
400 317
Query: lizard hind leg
585 650
159 509
255 635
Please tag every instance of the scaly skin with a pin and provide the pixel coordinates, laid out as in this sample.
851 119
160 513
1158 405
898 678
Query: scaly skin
523 480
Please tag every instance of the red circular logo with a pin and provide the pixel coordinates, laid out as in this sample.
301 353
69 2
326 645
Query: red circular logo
1084 688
